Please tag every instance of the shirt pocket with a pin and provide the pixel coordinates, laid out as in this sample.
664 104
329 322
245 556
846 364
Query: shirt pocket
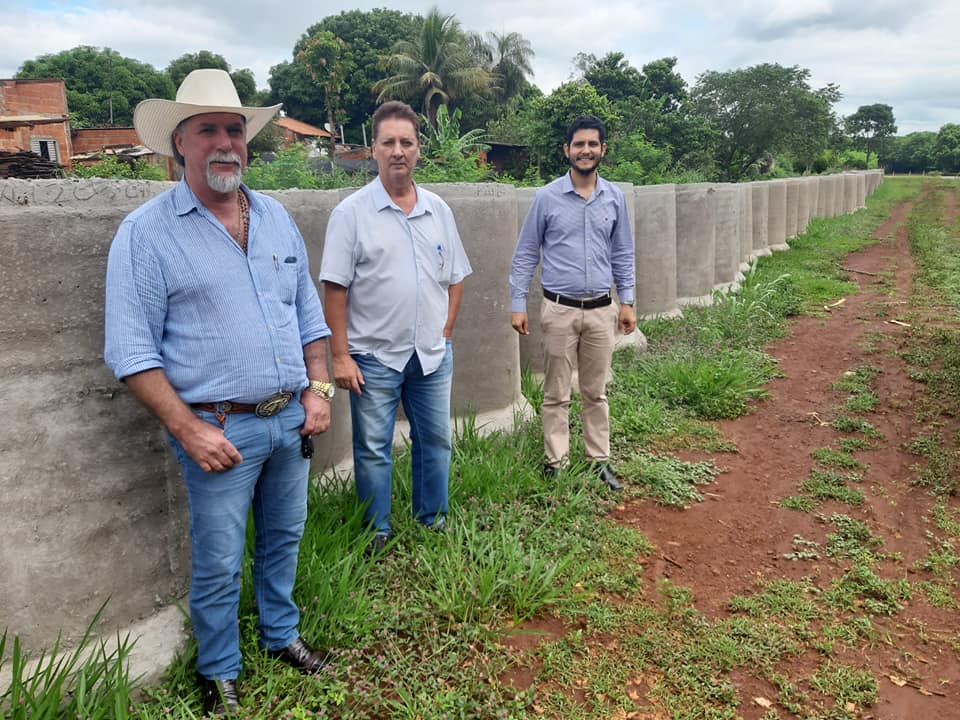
288 275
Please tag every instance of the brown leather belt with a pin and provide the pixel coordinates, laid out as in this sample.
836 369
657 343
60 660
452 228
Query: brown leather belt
589 304
265 408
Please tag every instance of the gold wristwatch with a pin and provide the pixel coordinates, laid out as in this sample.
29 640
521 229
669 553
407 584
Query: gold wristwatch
322 389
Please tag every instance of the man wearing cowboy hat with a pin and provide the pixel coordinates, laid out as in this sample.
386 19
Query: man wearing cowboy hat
214 324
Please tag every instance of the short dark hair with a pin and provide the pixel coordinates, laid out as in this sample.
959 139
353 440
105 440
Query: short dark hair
395 109
586 122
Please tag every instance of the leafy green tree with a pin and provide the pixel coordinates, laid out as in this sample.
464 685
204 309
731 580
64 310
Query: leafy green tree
302 98
434 67
663 83
870 125
636 160
511 64
947 149
102 85
508 59
651 104
323 56
613 76
913 153
243 79
761 111
182 66
550 116
367 35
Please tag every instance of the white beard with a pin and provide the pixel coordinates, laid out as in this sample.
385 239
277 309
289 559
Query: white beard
224 183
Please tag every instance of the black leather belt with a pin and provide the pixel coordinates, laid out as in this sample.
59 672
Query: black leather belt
589 304
265 408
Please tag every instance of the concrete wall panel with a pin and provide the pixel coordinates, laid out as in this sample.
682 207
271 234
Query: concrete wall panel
761 209
655 235
696 242
486 376
746 224
803 204
813 198
530 346
834 195
777 214
92 500
727 234
793 206
850 186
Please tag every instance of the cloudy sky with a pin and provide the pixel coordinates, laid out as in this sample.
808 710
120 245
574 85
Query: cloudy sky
900 52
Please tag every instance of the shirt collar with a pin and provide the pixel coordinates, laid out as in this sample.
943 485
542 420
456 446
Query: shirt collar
566 184
382 200
185 200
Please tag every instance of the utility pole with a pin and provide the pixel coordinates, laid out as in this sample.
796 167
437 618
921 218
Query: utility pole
110 74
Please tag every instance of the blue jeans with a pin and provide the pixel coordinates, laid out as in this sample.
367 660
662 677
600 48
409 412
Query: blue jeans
272 479
426 403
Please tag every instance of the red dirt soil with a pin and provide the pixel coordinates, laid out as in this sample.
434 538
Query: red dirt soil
738 536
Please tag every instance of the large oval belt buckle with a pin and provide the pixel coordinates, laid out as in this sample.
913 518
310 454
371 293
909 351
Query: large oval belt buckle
273 404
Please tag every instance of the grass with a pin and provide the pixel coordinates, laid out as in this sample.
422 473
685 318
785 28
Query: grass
421 634
842 459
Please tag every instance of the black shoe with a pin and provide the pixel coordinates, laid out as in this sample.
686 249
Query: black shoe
377 546
549 471
608 477
301 656
220 697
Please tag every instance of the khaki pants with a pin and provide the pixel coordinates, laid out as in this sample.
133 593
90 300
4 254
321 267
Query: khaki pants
582 339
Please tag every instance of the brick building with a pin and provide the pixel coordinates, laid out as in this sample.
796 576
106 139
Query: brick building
95 140
33 117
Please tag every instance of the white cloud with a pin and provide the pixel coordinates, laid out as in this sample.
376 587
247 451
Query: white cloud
899 52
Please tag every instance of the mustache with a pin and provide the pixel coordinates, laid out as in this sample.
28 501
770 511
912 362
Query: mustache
223 157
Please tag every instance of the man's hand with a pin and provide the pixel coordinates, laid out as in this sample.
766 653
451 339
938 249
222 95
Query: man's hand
204 443
208 447
627 322
519 322
346 374
316 414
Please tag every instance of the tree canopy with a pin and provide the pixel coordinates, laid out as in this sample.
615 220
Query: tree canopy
366 36
243 79
432 68
764 110
324 58
510 58
550 116
102 85
870 125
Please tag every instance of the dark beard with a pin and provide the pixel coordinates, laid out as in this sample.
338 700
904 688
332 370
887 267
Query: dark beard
585 173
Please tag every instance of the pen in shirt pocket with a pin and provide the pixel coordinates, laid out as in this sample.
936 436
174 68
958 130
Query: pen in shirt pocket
276 262
440 253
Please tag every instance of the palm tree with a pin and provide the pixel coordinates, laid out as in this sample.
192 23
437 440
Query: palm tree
435 67
510 57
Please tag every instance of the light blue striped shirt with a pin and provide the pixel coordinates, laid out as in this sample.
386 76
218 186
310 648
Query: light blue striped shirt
183 297
585 244
398 269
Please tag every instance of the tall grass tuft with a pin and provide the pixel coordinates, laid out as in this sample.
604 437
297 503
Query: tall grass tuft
90 681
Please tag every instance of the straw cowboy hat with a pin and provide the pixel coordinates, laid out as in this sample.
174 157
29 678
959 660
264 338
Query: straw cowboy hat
202 91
